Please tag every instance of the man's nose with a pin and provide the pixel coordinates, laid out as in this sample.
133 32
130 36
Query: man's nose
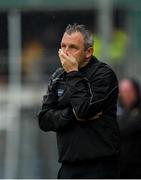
66 50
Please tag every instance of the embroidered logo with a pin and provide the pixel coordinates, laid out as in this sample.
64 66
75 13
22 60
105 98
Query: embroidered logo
60 92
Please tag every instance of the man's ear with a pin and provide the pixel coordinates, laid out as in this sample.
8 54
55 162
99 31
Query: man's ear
89 52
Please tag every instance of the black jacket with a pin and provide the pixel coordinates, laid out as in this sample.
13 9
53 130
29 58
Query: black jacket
81 108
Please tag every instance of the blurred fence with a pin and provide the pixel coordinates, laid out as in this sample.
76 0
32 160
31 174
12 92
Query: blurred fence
29 42
22 145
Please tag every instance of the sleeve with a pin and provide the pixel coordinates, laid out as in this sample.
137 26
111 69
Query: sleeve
88 97
50 117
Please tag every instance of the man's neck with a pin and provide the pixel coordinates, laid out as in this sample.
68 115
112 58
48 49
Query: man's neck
83 64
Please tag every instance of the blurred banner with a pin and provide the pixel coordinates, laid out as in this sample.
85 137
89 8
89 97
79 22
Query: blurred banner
61 4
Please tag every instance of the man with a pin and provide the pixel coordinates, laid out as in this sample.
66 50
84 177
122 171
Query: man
80 106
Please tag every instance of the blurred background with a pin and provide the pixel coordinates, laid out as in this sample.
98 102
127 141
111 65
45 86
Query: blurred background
30 34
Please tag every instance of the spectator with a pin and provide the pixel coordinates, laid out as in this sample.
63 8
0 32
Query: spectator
129 118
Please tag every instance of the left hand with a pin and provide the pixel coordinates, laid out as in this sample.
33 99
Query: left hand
68 62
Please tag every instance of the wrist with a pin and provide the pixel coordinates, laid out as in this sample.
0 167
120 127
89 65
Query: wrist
72 70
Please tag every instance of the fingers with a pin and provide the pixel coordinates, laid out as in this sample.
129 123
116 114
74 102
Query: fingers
62 55
68 62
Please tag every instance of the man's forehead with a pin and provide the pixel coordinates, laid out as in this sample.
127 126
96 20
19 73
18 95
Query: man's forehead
76 36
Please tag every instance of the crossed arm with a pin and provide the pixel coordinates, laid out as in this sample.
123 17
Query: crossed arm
87 99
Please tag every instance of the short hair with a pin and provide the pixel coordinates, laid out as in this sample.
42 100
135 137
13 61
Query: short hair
87 35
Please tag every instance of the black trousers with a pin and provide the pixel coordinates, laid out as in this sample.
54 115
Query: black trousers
130 170
103 168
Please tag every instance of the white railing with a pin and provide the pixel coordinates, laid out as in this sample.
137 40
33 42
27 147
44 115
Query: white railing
11 103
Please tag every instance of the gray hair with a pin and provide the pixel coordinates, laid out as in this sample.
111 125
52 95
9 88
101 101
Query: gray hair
87 35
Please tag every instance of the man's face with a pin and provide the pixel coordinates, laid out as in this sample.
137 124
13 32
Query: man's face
73 44
127 93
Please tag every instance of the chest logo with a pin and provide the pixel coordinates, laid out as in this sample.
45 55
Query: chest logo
60 92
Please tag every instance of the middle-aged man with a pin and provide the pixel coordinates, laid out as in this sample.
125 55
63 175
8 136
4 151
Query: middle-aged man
80 106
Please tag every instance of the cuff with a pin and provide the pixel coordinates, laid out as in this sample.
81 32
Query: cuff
74 74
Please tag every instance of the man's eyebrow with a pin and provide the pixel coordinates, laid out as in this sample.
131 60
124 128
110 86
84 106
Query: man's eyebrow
62 43
69 44
73 45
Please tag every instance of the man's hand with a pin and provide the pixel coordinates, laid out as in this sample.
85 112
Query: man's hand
68 62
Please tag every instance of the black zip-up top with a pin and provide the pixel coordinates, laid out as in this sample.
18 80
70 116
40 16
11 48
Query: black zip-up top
81 108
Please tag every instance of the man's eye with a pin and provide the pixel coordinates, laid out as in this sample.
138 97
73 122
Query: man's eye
73 47
63 45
